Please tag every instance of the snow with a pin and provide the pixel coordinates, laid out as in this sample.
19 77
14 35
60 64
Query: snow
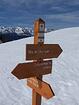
65 71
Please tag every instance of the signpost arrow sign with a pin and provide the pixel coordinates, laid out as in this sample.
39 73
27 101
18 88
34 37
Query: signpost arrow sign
45 90
32 69
36 52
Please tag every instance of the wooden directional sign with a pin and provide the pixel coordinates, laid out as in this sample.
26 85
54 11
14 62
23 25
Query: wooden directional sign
32 69
35 70
44 51
45 90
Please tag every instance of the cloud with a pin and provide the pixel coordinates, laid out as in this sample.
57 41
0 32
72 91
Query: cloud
66 17
63 20
41 6
59 11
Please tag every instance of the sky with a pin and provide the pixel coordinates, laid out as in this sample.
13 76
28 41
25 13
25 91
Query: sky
56 13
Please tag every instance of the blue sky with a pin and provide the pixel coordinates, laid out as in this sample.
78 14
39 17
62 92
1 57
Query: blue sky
57 13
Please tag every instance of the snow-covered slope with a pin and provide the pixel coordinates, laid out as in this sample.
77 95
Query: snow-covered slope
65 71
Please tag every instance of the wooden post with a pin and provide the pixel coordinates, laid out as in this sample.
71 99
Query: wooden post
39 29
36 98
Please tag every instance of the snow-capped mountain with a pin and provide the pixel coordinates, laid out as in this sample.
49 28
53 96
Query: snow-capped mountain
14 33
65 71
17 30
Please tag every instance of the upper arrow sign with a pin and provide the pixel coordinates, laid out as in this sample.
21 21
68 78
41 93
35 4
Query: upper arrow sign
36 52
26 70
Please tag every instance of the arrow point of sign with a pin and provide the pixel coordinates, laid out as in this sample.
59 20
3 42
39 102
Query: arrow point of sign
53 94
50 91
60 50
16 72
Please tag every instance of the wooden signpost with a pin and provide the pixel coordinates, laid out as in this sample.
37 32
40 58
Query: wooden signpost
35 70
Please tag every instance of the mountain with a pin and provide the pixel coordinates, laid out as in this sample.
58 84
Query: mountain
16 29
65 71
10 33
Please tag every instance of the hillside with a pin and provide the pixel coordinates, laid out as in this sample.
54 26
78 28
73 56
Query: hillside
65 71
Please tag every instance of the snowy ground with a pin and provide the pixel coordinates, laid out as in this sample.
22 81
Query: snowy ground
65 71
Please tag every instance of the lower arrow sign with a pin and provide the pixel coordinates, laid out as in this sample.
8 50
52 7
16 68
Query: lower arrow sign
32 69
45 90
